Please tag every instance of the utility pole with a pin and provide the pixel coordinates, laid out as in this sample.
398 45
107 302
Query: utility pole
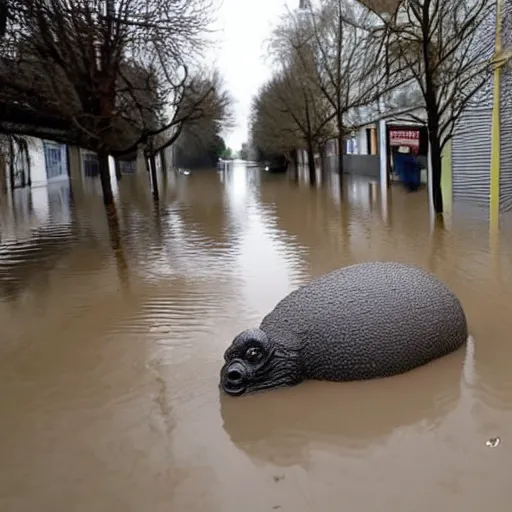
500 58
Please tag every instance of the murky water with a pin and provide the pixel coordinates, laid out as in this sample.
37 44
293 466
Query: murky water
111 347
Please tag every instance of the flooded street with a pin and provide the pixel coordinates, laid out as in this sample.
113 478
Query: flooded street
112 342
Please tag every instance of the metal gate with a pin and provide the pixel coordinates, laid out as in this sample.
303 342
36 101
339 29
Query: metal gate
471 156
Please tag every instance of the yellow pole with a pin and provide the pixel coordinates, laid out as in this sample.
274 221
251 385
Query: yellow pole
495 134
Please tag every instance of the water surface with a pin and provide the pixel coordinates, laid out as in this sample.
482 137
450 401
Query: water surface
112 341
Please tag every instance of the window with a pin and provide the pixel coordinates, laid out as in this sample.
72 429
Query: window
126 166
53 159
90 164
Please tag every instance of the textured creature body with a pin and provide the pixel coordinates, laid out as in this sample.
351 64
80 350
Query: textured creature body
369 320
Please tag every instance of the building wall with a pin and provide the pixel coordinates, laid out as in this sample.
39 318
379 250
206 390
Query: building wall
506 115
47 163
37 162
362 165
472 138
472 142
362 142
471 156
89 164
40 154
506 142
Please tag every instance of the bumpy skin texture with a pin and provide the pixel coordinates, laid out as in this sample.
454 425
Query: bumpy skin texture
365 321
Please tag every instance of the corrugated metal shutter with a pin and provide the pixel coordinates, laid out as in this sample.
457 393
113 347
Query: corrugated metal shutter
506 115
471 156
506 142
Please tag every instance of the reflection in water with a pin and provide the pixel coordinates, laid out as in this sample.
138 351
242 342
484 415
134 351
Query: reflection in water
114 326
117 246
357 419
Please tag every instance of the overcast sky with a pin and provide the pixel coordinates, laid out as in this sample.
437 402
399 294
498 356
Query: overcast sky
244 26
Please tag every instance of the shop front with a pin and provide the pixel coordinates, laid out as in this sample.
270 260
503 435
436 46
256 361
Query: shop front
411 139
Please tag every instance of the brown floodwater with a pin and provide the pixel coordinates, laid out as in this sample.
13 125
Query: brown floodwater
112 340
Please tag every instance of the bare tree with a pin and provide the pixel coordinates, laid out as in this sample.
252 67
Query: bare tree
208 109
14 152
443 46
297 88
204 107
109 70
349 59
273 130
291 110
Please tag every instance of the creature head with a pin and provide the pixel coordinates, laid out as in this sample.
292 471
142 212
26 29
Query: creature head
254 362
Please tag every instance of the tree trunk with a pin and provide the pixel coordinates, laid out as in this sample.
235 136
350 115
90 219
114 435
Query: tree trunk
341 142
11 163
3 174
311 163
154 179
435 149
106 185
433 114
323 166
118 170
163 161
435 153
295 158
29 168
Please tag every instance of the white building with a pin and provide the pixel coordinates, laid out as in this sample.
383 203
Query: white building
32 162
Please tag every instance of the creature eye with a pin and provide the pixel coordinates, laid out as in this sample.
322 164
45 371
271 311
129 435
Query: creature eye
254 355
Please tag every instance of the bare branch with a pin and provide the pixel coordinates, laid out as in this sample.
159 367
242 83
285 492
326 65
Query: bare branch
446 47
114 70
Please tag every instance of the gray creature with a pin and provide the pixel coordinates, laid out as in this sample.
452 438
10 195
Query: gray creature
370 320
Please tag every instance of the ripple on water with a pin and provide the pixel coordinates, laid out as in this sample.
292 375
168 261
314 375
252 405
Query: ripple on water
182 311
198 262
100 366
17 256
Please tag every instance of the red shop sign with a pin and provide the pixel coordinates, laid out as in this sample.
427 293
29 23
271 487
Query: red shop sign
404 137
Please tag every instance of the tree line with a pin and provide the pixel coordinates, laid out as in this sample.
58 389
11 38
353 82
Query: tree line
110 76
342 64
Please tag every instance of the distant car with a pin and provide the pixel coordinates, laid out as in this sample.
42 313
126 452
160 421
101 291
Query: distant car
275 166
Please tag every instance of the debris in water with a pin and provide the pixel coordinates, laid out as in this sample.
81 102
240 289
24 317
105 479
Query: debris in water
493 442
